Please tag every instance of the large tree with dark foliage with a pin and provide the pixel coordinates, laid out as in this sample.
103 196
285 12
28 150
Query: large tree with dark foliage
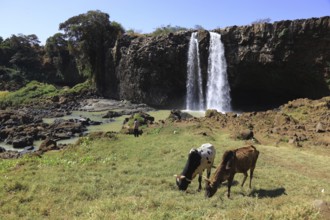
90 36
22 53
59 63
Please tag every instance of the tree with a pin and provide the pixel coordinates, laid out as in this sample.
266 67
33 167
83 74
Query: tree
117 28
25 54
58 63
261 21
199 27
164 30
90 35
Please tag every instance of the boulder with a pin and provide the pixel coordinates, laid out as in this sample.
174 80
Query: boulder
2 149
211 113
111 114
22 142
48 144
246 134
178 115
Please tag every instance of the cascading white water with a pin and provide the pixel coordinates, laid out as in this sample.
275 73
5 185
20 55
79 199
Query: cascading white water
195 96
218 90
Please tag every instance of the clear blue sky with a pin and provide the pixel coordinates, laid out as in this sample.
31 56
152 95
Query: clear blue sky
42 17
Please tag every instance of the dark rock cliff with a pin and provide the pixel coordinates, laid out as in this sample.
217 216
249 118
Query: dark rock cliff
272 63
149 69
267 63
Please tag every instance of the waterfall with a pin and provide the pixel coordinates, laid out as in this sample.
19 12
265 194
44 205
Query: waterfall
195 96
218 90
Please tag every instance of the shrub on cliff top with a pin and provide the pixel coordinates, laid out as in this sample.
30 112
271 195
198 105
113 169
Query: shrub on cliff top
164 30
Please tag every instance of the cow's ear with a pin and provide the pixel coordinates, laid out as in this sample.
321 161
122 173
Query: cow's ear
231 156
228 165
179 176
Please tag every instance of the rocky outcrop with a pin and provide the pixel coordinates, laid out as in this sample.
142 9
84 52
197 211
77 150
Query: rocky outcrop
20 128
149 70
294 123
267 63
279 61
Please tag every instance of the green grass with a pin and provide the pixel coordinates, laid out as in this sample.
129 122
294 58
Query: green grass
36 92
124 177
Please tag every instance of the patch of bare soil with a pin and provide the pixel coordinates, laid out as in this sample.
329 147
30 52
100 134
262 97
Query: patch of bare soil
324 208
301 123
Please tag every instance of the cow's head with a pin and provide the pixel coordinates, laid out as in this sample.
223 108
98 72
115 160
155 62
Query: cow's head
210 190
221 174
194 160
182 182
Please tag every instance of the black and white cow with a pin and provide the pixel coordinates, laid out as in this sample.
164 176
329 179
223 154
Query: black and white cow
198 160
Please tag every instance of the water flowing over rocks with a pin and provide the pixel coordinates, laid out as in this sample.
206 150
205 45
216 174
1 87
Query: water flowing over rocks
99 104
21 127
267 64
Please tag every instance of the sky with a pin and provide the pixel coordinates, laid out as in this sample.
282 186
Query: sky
42 17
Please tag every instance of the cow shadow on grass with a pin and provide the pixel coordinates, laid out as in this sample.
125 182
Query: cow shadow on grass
267 193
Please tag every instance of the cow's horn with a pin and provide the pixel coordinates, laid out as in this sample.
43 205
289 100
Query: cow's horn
206 179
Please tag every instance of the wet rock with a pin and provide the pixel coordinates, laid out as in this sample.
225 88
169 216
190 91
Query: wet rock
112 114
22 142
2 149
48 144
27 150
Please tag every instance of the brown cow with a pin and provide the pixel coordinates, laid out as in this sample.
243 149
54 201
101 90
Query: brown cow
233 161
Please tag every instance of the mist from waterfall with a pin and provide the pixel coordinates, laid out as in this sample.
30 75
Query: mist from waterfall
218 90
195 96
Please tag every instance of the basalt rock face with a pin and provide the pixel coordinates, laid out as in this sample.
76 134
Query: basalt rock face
279 61
267 63
151 70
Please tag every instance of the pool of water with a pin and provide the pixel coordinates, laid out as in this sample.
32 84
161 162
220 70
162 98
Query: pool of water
113 124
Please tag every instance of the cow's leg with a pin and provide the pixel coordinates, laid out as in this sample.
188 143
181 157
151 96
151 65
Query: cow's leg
208 173
200 182
244 179
251 175
230 181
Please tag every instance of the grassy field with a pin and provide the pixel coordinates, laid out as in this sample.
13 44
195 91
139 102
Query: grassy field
122 177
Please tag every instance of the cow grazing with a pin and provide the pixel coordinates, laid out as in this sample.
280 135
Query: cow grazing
233 161
198 160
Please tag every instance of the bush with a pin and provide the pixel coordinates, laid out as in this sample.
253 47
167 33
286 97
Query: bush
36 92
261 21
164 30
